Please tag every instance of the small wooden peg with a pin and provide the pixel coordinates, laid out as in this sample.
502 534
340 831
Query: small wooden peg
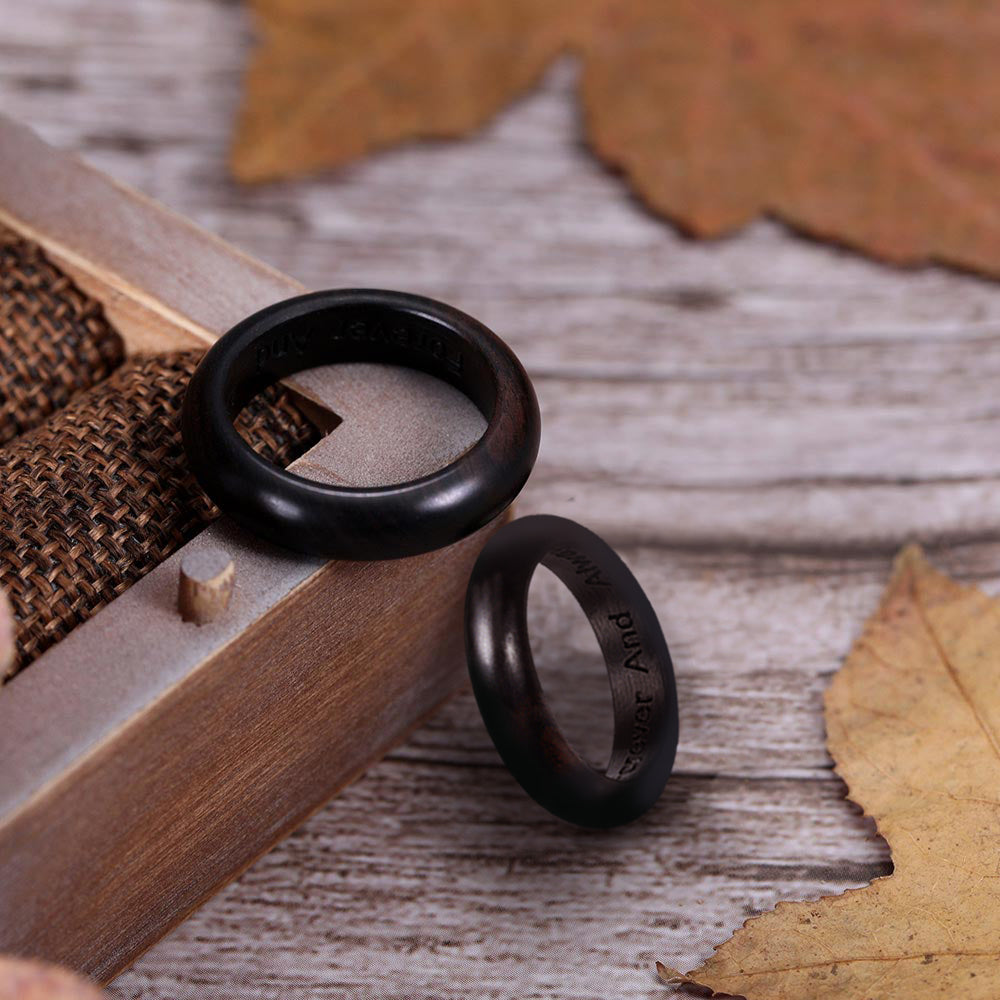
8 639
206 585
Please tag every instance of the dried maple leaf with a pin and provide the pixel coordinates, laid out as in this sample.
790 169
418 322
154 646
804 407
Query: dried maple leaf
872 123
336 78
913 723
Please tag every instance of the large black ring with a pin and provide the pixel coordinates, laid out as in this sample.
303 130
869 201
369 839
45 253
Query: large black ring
643 691
348 522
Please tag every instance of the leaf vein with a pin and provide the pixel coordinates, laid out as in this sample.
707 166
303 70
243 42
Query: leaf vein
991 736
853 961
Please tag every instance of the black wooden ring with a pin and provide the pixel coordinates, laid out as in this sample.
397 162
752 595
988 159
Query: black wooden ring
349 522
643 691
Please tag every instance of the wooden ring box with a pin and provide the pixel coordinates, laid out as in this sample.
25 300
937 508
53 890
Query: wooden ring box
145 761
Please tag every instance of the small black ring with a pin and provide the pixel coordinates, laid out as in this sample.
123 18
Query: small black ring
349 522
506 685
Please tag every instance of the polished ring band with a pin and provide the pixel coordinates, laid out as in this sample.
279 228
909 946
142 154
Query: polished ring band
349 522
643 691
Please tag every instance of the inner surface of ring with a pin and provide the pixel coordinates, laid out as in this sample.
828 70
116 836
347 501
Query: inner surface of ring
626 640
570 665
350 332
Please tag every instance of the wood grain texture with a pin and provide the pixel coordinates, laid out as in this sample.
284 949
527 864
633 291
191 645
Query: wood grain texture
757 423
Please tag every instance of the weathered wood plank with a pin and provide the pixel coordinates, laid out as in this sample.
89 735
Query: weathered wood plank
517 905
758 422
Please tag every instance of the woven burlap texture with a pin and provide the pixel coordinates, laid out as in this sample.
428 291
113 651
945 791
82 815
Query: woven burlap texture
54 339
101 493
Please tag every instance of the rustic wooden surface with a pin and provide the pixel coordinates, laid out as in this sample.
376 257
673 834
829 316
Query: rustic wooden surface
757 423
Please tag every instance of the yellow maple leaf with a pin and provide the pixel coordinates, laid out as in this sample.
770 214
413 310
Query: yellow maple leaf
913 724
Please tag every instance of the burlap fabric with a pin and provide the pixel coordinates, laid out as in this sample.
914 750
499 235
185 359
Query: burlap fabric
54 339
99 492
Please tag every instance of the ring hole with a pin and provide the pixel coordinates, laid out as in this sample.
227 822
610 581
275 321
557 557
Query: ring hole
570 668
390 424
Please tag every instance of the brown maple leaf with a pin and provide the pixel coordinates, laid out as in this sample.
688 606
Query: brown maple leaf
334 79
868 122
913 723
